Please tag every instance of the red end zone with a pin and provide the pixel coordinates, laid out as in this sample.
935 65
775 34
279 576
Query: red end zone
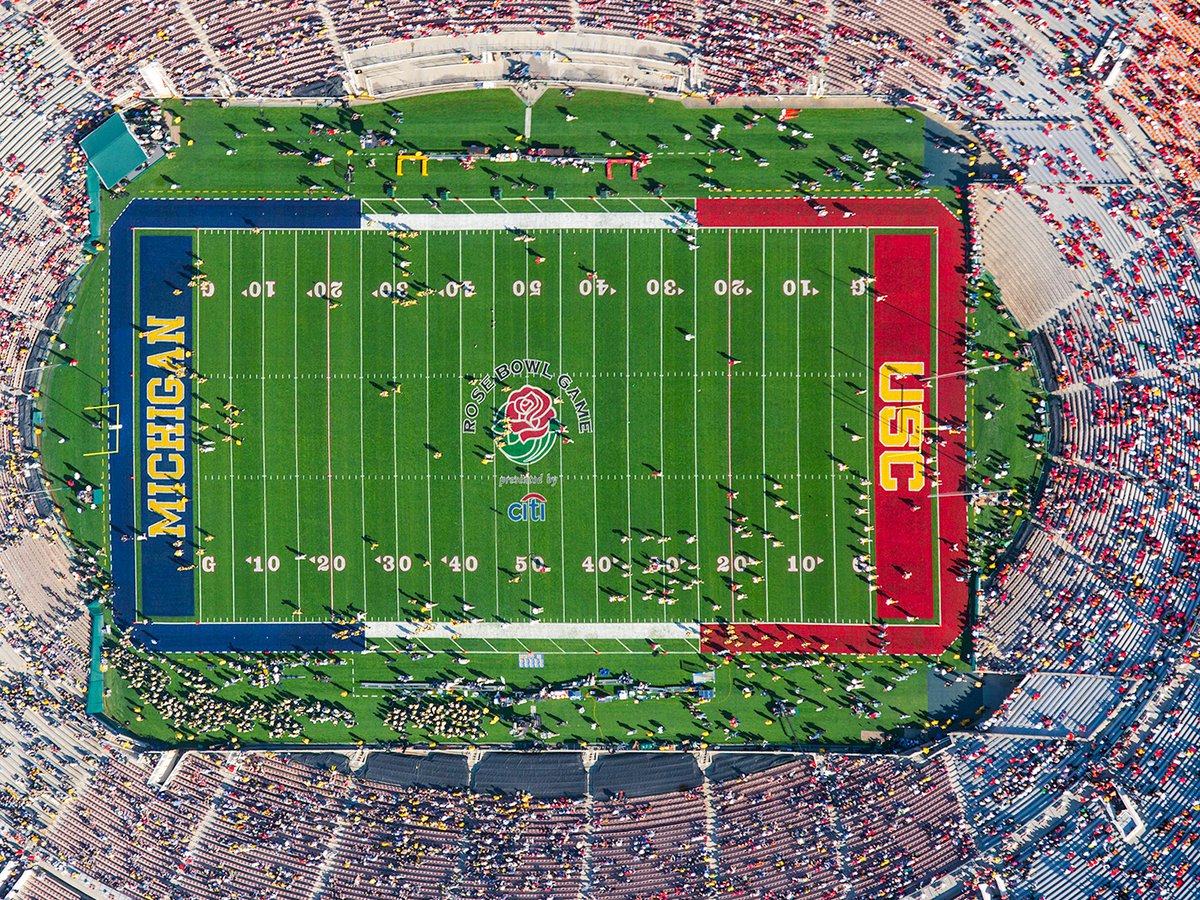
922 595
903 360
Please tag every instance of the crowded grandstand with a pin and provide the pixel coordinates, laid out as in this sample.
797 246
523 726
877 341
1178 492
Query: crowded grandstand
1075 783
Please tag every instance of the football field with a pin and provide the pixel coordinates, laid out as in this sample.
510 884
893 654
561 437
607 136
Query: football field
577 426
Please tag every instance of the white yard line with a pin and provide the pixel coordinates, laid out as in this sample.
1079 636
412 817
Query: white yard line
232 517
696 419
595 418
296 396
628 373
329 421
495 480
360 295
262 417
529 525
429 456
397 549
462 494
729 413
562 506
832 464
799 492
662 446
766 556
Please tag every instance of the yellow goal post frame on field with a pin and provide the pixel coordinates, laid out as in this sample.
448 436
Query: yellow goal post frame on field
112 427
418 157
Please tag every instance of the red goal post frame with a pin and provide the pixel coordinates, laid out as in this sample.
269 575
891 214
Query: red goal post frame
944 537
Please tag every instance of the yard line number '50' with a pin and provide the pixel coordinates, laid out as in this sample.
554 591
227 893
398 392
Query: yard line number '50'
533 288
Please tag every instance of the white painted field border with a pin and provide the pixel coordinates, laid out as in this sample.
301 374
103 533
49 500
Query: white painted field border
634 631
195 455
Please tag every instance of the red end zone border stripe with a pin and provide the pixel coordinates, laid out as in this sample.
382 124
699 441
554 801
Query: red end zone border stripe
911 212
903 357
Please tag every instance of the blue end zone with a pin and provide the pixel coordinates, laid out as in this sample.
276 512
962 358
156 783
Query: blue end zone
163 262
163 391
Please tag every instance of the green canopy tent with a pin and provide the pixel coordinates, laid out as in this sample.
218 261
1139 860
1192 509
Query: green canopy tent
113 152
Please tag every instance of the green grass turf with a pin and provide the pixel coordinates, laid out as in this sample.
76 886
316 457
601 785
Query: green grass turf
448 122
329 469
1007 456
744 690
66 392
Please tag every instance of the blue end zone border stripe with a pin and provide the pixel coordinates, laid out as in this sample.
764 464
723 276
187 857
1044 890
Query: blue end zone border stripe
164 437
191 215
182 637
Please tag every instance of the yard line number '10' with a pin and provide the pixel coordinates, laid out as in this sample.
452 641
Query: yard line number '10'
272 564
259 289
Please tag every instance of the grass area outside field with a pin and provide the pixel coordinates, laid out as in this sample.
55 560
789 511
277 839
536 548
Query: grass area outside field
449 122
446 122
66 392
818 690
1006 406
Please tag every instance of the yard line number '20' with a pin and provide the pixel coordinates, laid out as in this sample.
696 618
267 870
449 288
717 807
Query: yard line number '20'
331 289
739 563
733 288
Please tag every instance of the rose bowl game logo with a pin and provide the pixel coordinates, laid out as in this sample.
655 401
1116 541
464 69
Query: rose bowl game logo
526 418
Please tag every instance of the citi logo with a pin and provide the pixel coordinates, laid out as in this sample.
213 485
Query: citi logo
530 508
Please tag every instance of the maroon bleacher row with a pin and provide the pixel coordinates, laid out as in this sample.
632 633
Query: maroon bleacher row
45 213
744 47
259 826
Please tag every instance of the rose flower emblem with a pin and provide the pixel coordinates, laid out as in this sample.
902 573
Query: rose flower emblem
529 411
